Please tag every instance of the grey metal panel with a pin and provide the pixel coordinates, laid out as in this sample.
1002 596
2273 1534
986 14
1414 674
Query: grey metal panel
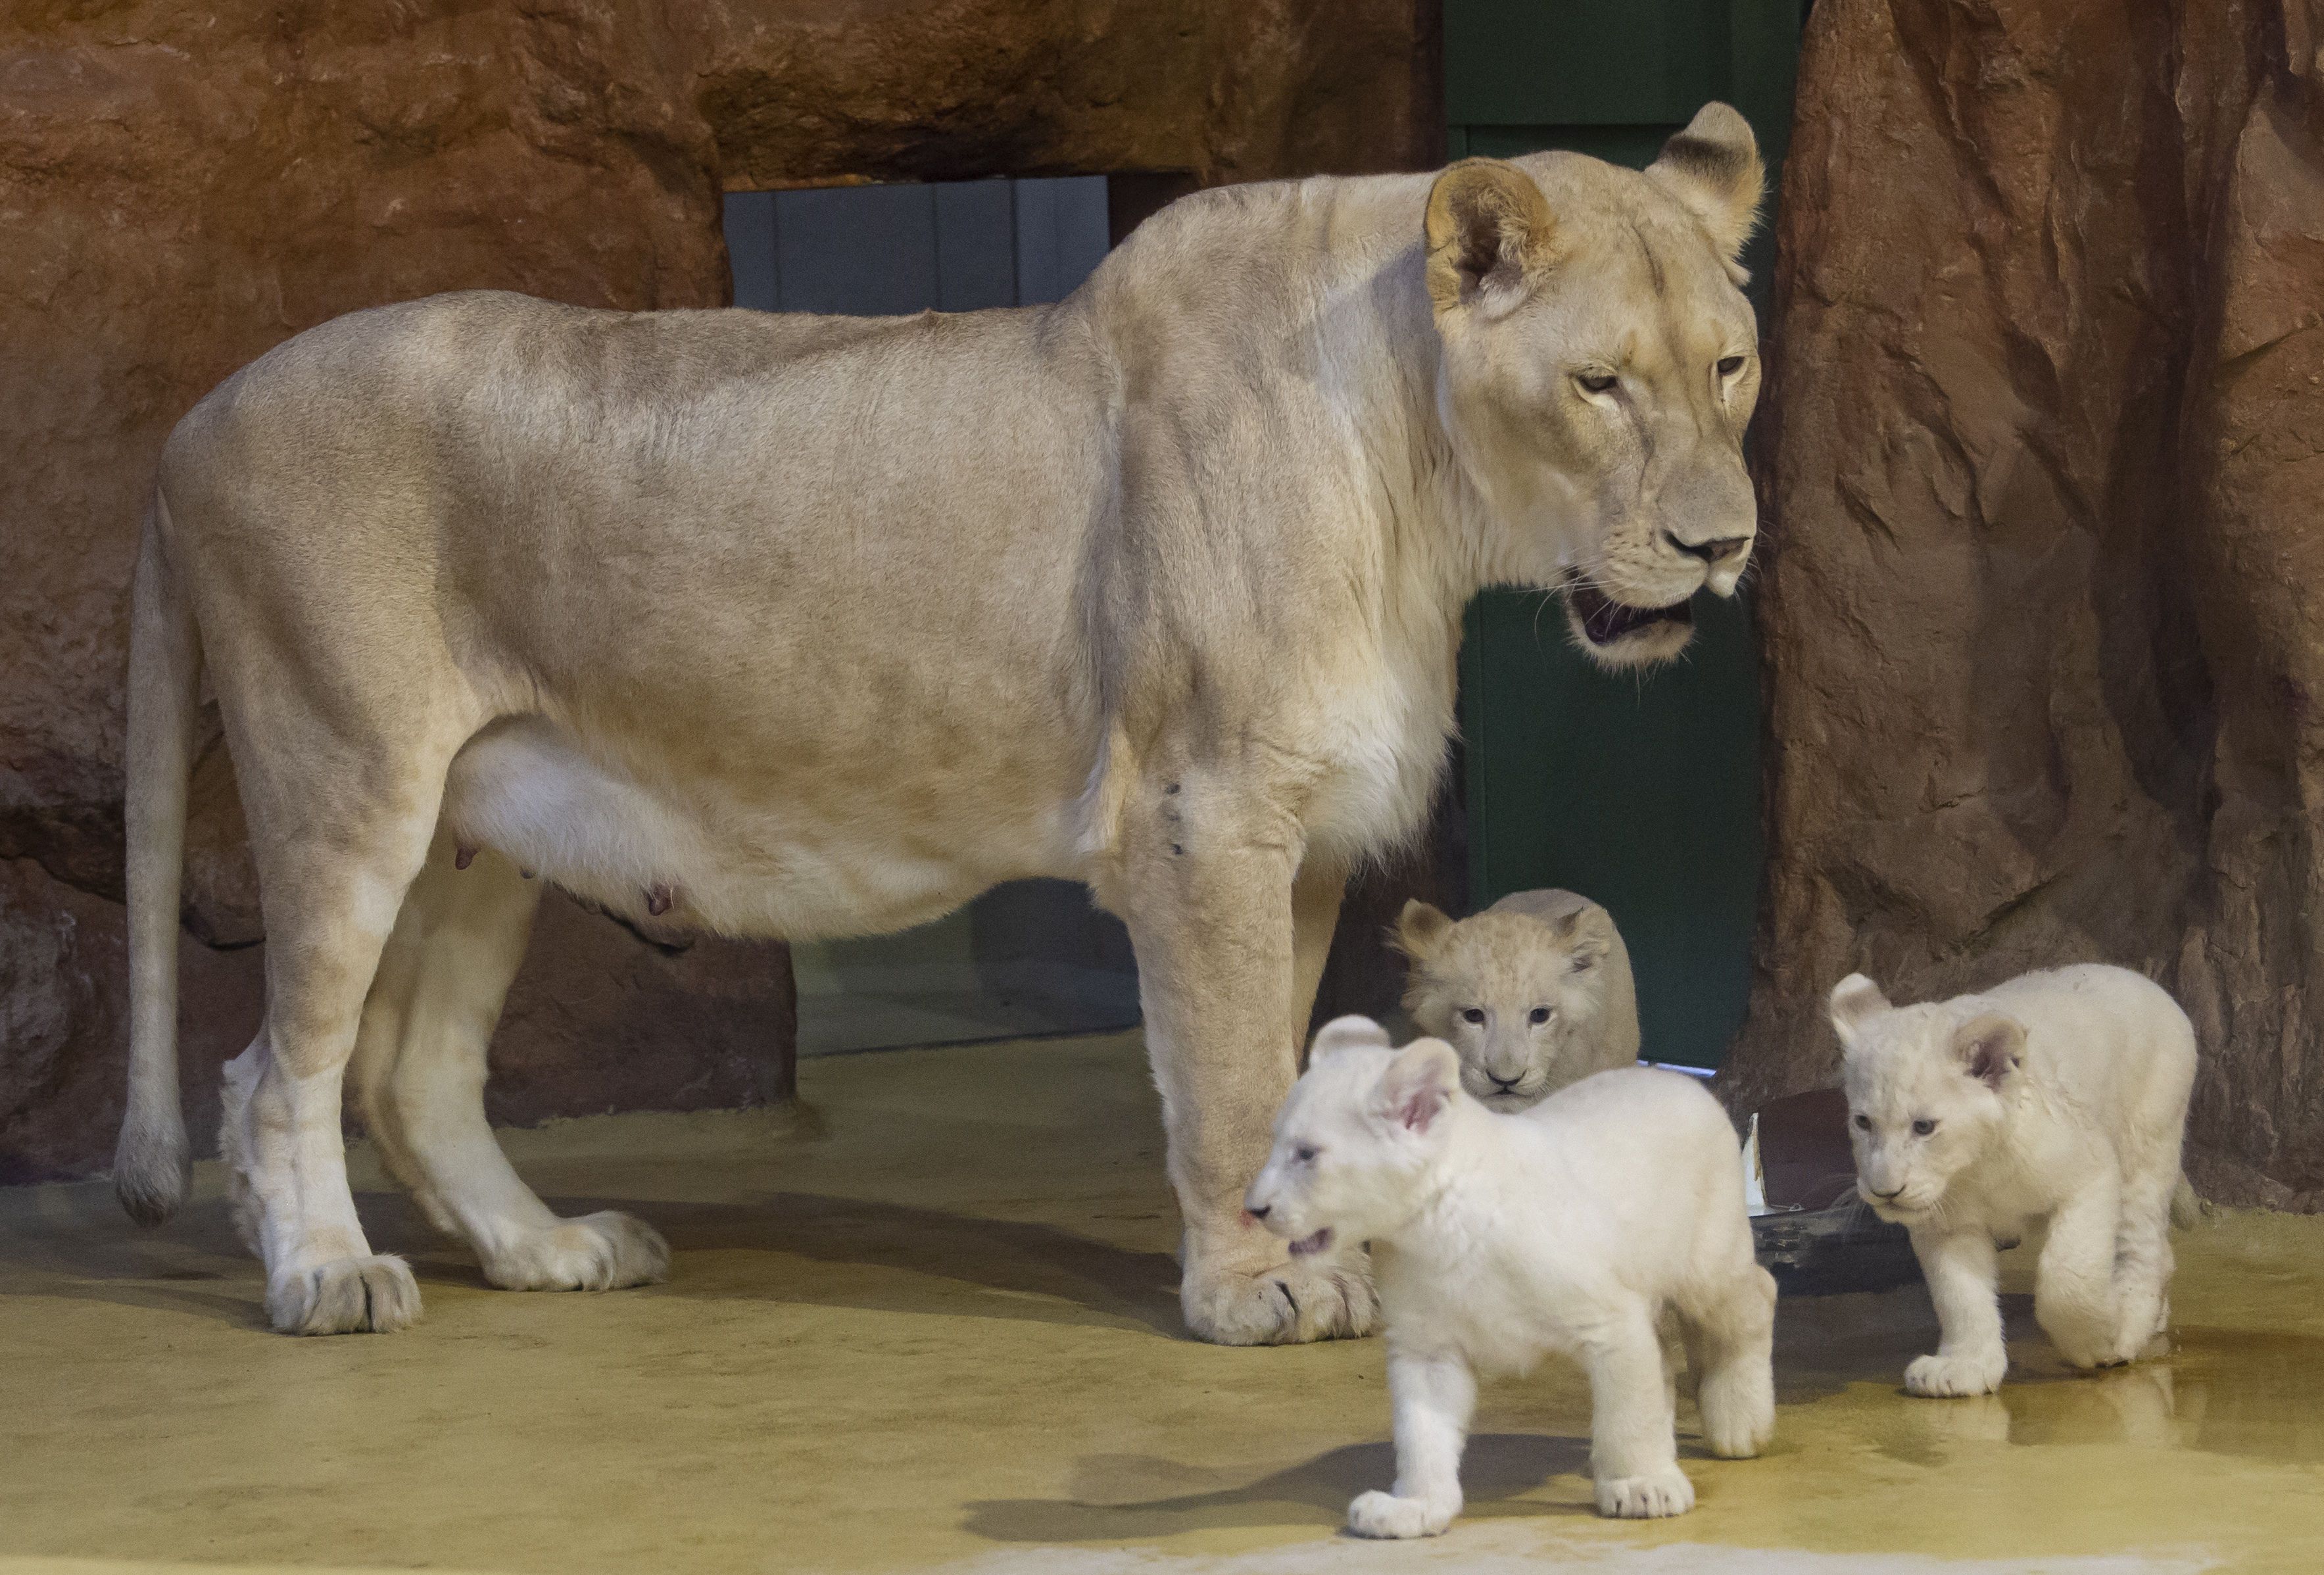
1061 234
751 249
863 250
976 245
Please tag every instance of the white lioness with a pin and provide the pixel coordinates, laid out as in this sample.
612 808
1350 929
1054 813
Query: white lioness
1497 1240
807 626
1535 993
2060 1096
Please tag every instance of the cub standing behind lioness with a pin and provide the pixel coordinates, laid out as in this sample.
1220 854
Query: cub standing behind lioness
1568 1228
1535 993
2061 1096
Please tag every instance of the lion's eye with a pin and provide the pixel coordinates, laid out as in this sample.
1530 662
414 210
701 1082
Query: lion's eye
1596 382
1538 1015
1864 1123
1729 365
1923 1127
1304 1154
1473 1014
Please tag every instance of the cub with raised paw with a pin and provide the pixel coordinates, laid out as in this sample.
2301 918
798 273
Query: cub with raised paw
2060 1096
1567 1229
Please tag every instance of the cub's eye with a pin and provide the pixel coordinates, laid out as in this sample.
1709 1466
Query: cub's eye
1923 1127
1304 1154
1473 1014
1864 1123
1729 365
1596 382
1538 1015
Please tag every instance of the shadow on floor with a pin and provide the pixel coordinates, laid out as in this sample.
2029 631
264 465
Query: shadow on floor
1106 1505
79 1244
1047 1275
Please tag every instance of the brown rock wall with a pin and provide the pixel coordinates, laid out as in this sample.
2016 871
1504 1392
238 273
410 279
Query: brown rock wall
2045 522
182 188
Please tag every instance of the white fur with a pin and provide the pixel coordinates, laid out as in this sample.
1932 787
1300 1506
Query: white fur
2059 1097
1497 1240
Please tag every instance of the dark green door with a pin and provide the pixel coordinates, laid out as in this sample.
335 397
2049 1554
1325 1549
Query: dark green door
1642 792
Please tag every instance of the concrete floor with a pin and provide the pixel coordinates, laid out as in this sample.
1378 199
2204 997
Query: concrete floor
940 1334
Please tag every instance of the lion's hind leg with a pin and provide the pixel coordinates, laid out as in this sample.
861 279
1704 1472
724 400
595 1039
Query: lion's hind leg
338 832
419 1069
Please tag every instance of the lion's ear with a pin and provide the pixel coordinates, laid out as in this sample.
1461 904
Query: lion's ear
1348 1033
1854 1000
1587 934
1421 929
1417 1086
1990 1047
1713 169
1488 224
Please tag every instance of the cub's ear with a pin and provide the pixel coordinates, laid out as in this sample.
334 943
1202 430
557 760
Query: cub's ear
1421 929
1587 934
1713 169
1854 1000
1417 1086
1990 1047
1347 1033
1487 226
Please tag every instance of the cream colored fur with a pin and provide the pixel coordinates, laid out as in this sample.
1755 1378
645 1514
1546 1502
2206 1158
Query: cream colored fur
1535 993
2058 1098
1496 1240
807 626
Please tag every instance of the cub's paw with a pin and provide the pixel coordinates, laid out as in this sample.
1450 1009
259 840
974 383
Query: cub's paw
1293 1302
1947 1377
1384 1514
597 1252
347 1295
1648 1498
1738 1431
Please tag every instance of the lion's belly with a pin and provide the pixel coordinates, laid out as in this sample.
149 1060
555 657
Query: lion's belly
723 859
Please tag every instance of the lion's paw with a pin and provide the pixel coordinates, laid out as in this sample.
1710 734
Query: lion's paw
1286 1304
1648 1497
597 1252
1945 1377
347 1295
1741 1429
1384 1514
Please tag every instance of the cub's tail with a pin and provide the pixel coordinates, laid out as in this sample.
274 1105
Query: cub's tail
151 1166
2186 1207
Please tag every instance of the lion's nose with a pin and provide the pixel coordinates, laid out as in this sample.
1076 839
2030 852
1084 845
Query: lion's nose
1711 552
1505 1084
1884 1197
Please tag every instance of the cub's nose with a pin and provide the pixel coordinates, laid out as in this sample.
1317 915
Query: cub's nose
1713 552
1505 1084
1884 1197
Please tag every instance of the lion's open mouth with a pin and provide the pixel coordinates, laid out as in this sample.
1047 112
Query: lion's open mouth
1316 1243
1605 620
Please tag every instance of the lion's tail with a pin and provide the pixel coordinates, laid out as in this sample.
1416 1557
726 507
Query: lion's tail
152 1164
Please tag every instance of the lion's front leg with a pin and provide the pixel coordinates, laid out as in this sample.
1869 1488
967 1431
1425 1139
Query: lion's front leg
1209 872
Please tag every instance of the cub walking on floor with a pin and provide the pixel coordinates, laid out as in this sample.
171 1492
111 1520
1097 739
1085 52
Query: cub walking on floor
2059 1096
1496 1240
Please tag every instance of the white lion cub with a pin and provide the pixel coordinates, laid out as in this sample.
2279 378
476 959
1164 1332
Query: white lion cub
1535 993
2061 1095
1498 1239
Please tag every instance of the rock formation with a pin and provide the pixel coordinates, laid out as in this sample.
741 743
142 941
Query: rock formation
2043 574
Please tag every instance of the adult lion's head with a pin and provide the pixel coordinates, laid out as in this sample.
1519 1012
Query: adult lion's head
1599 365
